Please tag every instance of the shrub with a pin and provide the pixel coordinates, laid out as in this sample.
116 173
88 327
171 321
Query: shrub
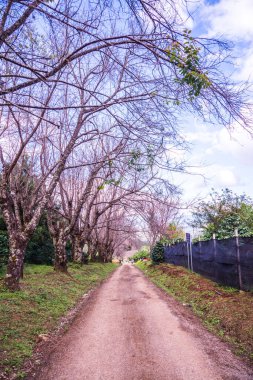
40 249
157 254
4 250
140 255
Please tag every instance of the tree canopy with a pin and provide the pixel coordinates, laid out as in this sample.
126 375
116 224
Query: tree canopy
91 95
223 213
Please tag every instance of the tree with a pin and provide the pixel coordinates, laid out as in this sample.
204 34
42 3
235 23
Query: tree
157 211
223 213
115 228
157 253
40 249
76 189
68 69
173 234
176 66
49 150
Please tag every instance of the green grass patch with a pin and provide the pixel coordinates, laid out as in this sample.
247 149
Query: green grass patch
225 311
45 297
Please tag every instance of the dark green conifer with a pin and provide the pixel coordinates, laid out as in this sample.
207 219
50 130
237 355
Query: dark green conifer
157 253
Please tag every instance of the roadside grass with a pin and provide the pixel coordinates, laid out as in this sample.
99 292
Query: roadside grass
45 297
225 311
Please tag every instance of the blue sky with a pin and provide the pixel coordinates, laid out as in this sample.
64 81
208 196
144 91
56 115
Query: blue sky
224 159
211 2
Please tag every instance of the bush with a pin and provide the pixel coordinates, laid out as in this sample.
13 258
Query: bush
157 254
40 249
4 250
140 255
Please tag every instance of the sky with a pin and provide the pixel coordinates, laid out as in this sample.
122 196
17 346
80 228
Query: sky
219 158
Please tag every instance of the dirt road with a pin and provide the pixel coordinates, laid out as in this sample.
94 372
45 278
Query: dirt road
133 331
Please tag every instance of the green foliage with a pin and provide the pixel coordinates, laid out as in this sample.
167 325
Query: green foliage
109 182
223 213
3 248
141 161
186 57
135 162
174 234
40 249
140 255
157 254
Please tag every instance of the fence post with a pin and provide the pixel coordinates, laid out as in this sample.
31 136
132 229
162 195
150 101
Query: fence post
239 270
215 255
188 255
191 254
214 245
188 247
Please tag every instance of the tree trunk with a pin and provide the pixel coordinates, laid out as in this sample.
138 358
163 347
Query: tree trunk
92 251
110 255
102 253
107 257
60 262
77 249
17 247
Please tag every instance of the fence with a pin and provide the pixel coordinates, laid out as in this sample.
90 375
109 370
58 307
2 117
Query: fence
228 262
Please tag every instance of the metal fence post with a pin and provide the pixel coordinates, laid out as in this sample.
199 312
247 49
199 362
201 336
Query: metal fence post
188 255
188 247
239 270
191 254
215 255
214 244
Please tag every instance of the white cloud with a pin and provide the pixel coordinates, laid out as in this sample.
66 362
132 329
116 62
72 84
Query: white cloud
238 145
226 177
222 158
244 64
232 19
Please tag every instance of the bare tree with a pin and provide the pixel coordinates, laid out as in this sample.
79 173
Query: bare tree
41 41
67 69
49 150
115 228
157 212
115 192
75 190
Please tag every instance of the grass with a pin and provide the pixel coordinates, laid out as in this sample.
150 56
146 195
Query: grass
225 311
45 297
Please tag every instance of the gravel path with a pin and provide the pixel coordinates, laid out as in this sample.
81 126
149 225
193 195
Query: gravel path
131 330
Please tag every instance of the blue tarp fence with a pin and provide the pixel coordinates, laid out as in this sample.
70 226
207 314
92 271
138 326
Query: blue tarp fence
228 262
